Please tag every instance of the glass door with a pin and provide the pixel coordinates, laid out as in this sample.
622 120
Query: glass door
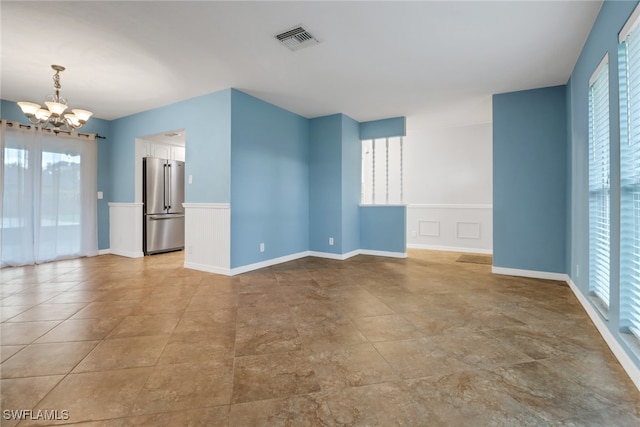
48 197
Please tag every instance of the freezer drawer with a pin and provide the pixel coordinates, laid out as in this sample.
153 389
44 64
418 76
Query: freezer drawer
163 233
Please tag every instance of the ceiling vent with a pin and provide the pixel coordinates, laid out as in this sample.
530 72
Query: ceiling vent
296 38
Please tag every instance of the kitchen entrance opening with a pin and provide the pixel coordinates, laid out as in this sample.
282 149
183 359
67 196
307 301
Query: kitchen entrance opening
160 187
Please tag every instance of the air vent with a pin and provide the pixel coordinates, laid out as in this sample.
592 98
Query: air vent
296 38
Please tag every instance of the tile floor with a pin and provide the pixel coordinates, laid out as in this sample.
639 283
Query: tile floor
425 341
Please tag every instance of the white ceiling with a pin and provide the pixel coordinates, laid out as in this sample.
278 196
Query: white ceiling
374 60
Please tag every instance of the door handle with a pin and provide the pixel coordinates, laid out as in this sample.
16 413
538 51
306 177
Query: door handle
165 194
169 187
162 218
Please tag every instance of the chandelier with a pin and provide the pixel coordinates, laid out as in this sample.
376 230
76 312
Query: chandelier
53 115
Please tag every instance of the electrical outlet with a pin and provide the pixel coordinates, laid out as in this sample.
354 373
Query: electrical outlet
577 270
261 247
330 241
190 250
190 179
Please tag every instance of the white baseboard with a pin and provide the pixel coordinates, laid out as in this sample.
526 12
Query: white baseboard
268 263
104 251
450 249
338 257
383 253
529 273
287 258
627 364
128 254
342 257
207 268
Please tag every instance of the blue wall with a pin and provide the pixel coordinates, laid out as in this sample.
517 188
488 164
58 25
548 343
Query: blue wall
292 182
269 181
351 182
603 39
383 228
9 110
542 203
334 184
385 128
207 120
530 179
325 183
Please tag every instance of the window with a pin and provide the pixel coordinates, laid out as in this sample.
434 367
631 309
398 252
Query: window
630 177
382 172
599 188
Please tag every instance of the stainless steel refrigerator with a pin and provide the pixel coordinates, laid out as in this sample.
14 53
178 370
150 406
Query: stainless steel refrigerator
163 195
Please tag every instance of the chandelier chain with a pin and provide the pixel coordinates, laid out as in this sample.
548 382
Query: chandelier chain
56 80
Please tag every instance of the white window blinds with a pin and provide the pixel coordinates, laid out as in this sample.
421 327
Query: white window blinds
599 189
630 181
382 171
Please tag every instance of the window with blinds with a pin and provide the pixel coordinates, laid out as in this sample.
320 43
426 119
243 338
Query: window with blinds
630 176
382 171
599 189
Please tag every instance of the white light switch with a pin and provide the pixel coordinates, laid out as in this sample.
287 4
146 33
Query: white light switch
100 195
190 179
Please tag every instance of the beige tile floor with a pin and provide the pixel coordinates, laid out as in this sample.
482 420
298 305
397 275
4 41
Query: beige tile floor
425 341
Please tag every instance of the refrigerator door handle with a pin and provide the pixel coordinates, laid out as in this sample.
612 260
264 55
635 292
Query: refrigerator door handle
164 217
169 186
166 187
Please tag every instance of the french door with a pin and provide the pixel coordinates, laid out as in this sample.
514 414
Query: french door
48 196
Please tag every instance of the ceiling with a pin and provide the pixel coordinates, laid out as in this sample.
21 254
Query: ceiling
439 60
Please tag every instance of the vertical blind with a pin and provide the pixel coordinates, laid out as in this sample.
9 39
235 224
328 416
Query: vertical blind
630 183
382 171
599 189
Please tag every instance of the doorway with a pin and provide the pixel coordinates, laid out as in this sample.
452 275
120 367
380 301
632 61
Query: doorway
169 145
164 157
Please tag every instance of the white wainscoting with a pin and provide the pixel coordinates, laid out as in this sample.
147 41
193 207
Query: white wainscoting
125 229
460 228
207 237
